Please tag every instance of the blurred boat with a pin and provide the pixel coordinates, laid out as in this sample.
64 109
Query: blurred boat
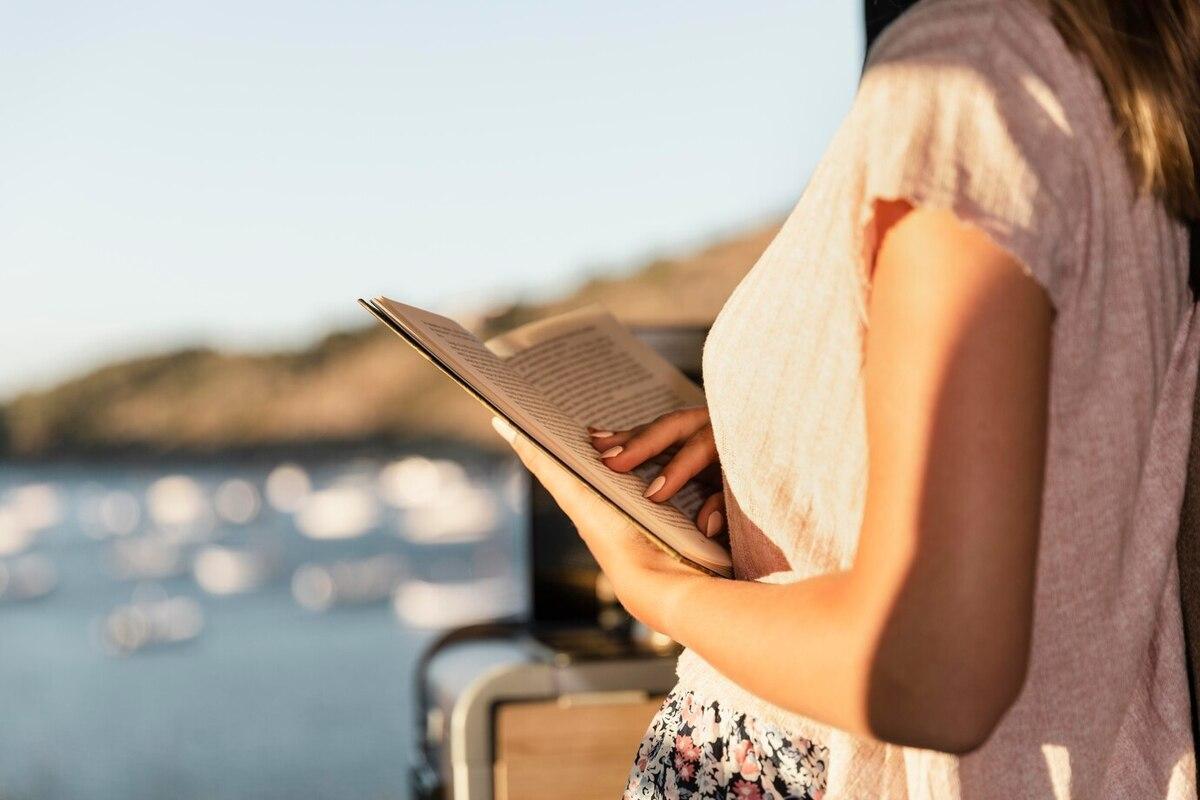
416 481
423 604
457 515
37 506
152 556
25 512
437 502
152 620
14 537
237 501
339 512
225 570
27 578
287 486
177 501
319 587
109 513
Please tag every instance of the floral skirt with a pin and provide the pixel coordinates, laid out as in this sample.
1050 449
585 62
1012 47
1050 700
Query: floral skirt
695 750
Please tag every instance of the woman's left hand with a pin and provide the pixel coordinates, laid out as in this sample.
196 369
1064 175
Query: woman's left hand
648 582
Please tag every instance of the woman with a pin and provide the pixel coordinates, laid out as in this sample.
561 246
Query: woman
984 287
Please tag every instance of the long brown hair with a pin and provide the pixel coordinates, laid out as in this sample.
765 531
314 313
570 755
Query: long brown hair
1147 55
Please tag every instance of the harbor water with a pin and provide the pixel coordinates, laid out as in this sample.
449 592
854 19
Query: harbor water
237 630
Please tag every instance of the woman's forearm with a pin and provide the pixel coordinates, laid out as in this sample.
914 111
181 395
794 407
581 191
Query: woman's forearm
800 646
827 648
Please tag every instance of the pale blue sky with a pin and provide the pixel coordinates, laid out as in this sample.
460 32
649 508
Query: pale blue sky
236 173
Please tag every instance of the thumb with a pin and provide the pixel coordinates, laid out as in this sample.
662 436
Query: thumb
569 491
531 455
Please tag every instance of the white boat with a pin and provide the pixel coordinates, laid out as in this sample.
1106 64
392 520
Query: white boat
224 570
151 621
319 587
27 578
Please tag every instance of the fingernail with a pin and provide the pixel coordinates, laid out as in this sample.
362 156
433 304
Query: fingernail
601 434
612 451
713 526
506 431
655 485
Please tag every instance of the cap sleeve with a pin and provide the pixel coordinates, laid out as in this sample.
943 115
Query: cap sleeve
953 114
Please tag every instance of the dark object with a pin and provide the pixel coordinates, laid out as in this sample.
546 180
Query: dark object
1187 546
565 600
1194 259
878 14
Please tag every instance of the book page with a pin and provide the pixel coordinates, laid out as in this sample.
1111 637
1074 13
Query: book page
592 367
595 370
507 388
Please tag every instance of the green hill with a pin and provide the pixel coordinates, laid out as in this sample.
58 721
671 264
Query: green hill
357 386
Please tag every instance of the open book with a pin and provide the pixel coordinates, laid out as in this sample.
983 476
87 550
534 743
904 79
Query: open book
550 379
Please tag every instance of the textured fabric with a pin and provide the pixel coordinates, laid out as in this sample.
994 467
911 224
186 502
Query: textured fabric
697 750
977 106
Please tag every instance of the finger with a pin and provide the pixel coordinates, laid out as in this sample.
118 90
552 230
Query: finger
655 437
710 519
549 472
696 455
599 432
605 432
614 439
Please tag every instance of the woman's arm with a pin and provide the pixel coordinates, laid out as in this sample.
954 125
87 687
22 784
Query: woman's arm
924 641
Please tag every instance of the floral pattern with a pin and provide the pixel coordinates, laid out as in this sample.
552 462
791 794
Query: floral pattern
694 750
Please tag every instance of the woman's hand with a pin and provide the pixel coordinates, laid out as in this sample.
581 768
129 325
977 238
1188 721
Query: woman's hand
684 438
647 581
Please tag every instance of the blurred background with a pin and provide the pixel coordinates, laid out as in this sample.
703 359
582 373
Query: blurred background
233 510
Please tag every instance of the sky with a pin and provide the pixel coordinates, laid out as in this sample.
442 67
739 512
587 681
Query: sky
235 174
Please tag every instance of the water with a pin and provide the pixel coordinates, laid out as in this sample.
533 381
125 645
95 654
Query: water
270 698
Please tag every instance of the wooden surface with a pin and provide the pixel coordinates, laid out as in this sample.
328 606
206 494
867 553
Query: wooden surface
581 748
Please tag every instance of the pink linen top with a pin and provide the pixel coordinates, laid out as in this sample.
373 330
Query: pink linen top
978 106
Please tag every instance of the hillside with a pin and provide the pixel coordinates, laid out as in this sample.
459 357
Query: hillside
357 386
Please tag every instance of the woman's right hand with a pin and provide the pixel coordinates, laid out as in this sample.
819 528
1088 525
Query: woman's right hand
690 431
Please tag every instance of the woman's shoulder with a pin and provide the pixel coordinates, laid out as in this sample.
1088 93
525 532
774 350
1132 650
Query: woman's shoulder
1002 58
971 32
1006 48
979 106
